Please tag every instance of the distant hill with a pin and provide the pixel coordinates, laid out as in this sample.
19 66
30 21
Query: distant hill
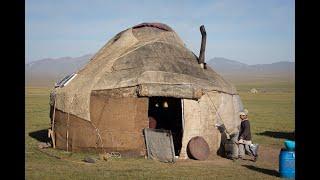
46 72
224 65
238 72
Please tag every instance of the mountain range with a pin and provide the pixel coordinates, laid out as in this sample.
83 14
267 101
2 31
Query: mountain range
46 72
238 72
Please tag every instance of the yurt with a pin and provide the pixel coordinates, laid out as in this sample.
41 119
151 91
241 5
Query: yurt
144 71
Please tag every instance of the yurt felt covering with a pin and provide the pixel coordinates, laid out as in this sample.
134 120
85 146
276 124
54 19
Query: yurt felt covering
106 104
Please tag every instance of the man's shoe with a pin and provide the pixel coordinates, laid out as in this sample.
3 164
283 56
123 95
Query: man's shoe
254 149
255 158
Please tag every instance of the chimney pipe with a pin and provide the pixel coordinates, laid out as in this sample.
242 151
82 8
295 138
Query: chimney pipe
203 47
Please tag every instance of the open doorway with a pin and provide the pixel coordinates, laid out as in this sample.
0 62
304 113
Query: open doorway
166 113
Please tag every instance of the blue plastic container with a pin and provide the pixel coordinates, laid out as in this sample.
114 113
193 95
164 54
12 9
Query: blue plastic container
290 145
287 164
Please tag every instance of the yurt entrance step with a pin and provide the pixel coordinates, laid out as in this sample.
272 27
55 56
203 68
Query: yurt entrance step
166 113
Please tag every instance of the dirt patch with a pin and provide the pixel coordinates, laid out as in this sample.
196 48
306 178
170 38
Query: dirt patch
267 155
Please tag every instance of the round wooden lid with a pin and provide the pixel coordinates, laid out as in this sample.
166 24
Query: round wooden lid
198 148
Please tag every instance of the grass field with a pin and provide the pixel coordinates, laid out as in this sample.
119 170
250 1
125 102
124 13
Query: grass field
272 121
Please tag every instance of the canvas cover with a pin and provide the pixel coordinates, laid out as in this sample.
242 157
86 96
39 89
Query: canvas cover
146 57
116 126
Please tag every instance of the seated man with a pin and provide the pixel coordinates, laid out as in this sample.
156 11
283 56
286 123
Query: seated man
244 139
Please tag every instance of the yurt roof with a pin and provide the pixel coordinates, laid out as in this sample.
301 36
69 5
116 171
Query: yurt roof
148 55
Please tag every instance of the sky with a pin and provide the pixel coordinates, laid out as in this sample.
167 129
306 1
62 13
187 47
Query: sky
249 31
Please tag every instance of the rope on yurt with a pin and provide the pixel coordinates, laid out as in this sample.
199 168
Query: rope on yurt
215 108
53 122
68 133
227 133
98 133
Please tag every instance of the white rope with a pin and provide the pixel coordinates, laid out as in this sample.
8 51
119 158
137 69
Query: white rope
215 108
227 133
98 133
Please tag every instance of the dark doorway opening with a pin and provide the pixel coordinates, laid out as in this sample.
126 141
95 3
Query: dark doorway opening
166 113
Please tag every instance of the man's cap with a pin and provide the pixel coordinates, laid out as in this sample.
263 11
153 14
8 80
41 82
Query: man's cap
244 112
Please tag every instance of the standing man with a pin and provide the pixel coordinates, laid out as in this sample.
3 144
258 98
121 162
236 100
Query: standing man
244 140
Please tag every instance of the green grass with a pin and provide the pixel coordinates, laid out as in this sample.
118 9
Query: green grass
272 111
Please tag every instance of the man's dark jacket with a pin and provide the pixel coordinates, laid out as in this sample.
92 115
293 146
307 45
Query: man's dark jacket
245 132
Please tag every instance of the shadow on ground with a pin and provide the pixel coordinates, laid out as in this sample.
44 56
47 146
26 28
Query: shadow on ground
263 170
41 135
275 134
